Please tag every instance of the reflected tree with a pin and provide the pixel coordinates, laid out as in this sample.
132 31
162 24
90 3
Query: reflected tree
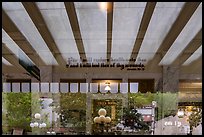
195 118
134 120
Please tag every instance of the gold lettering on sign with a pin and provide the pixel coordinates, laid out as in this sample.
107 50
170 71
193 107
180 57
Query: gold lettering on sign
106 103
113 112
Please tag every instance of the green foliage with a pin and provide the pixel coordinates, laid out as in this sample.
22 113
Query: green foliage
73 109
166 102
141 99
18 110
36 103
73 101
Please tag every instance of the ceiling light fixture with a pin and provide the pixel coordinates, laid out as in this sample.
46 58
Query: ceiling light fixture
103 6
107 88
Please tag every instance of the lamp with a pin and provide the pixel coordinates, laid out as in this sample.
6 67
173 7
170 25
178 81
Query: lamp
37 116
102 119
102 111
37 123
180 113
107 88
103 6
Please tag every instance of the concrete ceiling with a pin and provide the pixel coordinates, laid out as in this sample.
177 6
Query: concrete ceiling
48 33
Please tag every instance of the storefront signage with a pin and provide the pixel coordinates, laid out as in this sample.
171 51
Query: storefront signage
18 132
106 103
172 123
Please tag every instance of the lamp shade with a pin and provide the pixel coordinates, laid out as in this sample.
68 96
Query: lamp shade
107 88
102 111
36 124
32 125
108 120
37 116
43 125
97 120
102 118
40 125
180 113
154 103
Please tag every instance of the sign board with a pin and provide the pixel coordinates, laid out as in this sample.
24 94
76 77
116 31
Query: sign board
18 132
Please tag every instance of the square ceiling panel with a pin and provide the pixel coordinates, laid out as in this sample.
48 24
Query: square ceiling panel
20 17
187 34
14 48
163 17
127 17
194 56
93 26
55 16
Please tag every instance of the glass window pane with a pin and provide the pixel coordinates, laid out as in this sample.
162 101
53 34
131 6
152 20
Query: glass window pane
74 87
114 87
25 87
84 87
93 87
16 87
123 87
35 87
102 88
64 88
44 87
54 87
6 87
133 87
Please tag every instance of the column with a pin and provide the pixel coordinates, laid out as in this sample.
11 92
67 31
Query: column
56 99
35 105
170 79
125 96
88 108
170 84
158 84
46 74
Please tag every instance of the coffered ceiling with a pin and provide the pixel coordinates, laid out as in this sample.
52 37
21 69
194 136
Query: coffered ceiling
49 33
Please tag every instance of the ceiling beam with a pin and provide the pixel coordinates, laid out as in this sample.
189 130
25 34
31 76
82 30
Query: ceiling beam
109 29
19 39
193 67
71 12
194 44
41 25
182 19
11 57
149 9
197 62
6 69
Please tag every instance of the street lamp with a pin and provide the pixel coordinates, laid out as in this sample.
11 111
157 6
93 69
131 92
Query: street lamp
102 119
37 123
154 105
